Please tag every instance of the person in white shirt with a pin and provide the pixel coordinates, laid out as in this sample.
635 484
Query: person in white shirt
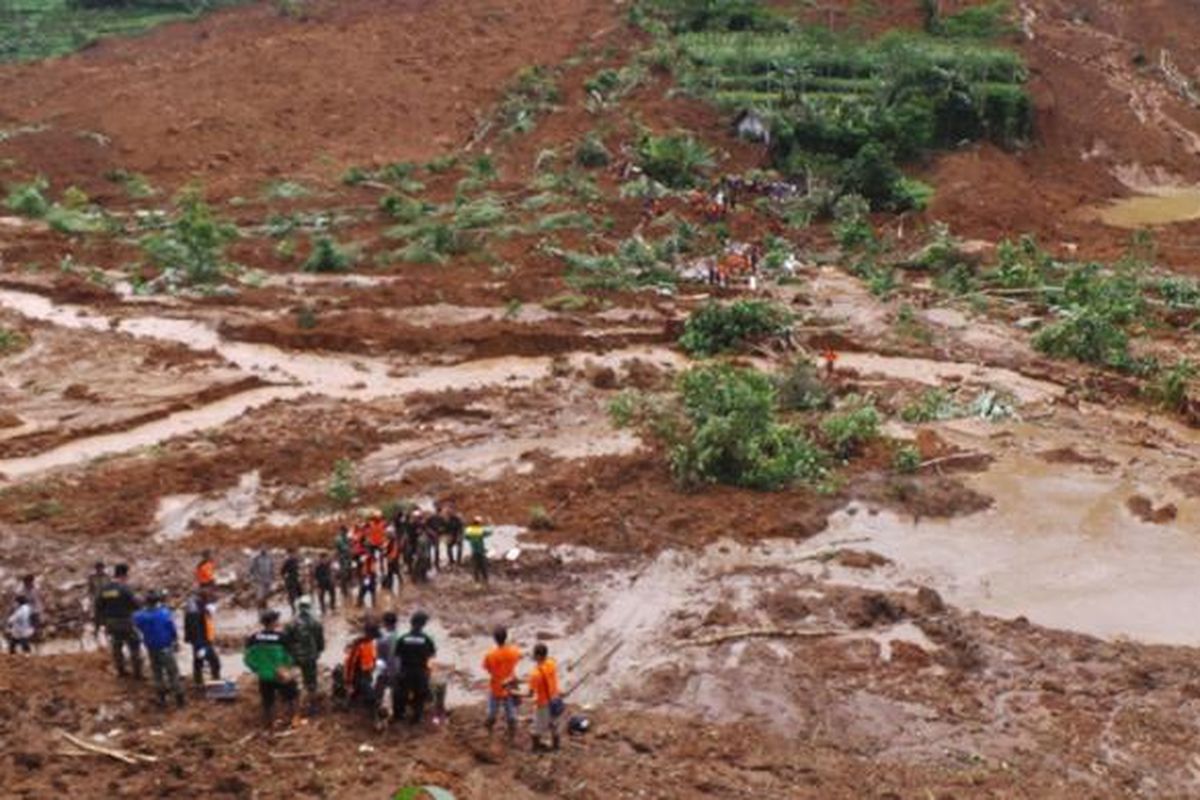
20 626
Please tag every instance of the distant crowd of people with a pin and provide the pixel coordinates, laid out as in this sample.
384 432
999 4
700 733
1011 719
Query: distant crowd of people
384 670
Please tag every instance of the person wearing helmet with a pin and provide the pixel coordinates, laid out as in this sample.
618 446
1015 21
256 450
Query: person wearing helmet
304 638
414 650
476 535
268 658
162 641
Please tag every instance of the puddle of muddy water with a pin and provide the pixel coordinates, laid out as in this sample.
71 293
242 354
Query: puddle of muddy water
1059 548
1160 206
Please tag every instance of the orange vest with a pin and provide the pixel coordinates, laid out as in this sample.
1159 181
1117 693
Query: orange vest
206 573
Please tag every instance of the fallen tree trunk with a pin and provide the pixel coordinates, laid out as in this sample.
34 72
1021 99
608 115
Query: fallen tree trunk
761 633
111 752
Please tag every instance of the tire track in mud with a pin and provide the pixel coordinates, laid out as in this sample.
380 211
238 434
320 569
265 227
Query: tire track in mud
287 375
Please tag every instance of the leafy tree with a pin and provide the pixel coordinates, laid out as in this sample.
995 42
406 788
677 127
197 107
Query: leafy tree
676 161
193 245
327 256
716 328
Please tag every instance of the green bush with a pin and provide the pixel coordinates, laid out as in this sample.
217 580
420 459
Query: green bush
28 199
192 246
1170 387
715 328
714 15
721 428
531 94
1086 335
906 460
591 152
677 161
342 489
847 431
799 387
327 256
403 209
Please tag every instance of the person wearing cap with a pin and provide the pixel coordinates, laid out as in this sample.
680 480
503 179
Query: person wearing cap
116 605
268 658
304 638
162 641
476 535
414 651
95 583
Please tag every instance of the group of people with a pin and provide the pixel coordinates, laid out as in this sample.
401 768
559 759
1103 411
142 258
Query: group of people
376 553
384 669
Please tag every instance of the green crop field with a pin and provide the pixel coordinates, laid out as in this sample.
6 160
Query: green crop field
33 29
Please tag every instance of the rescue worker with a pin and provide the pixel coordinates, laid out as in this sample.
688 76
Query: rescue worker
162 642
376 533
414 650
359 667
322 580
435 526
199 630
304 638
19 627
345 562
262 576
116 606
290 572
95 583
500 663
412 541
476 535
206 572
547 700
267 657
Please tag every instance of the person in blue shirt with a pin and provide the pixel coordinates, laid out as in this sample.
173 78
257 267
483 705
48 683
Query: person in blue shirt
162 642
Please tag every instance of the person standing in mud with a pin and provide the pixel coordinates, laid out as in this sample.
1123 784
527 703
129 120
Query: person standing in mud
292 583
19 627
412 541
547 700
415 650
500 663
345 562
304 638
95 583
476 535
206 572
162 642
454 534
393 554
116 606
269 660
435 527
199 630
322 580
36 606
262 576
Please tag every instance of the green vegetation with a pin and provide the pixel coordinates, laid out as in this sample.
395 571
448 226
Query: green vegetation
906 460
34 29
591 152
721 427
28 199
327 256
848 431
715 328
677 161
933 405
533 93
798 387
636 263
11 341
343 489
191 248
134 183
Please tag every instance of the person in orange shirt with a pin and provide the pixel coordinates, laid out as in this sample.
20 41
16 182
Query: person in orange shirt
501 665
206 571
547 700
359 667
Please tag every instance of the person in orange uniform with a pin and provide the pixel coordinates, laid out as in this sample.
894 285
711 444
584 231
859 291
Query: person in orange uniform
501 665
206 572
359 667
547 700
376 532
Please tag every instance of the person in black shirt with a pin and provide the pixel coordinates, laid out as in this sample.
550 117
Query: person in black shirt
454 534
115 606
290 572
322 578
414 651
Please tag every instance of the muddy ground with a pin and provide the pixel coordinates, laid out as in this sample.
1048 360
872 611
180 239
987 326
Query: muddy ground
1008 620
